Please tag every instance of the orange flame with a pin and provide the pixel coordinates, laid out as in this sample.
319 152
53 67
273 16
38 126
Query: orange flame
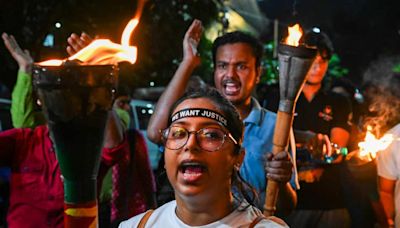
371 145
103 51
126 34
295 33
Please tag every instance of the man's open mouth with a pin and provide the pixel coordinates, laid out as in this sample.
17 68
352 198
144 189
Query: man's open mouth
231 87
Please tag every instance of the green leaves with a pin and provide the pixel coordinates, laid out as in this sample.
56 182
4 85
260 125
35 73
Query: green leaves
270 65
335 70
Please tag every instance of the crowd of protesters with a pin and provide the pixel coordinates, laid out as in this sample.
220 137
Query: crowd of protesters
217 147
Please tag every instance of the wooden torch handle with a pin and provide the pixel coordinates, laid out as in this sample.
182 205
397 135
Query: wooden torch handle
281 136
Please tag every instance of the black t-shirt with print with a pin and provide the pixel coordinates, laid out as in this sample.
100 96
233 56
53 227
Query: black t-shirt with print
321 189
324 112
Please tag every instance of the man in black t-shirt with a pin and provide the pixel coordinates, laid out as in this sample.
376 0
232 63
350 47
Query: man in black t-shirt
320 198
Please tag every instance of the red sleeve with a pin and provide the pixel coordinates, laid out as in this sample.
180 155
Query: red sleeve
144 163
110 156
8 141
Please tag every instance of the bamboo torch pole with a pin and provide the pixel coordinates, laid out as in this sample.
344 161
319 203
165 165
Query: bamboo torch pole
294 63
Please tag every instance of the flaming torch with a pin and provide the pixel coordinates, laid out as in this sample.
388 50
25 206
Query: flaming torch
371 145
295 60
361 162
77 94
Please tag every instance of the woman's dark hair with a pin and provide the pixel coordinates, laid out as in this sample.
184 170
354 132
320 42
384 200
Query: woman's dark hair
239 37
240 187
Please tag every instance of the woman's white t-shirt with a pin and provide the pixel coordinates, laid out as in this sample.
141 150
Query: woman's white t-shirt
165 216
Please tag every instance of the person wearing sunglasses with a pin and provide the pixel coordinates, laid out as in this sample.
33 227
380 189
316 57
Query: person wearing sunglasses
203 155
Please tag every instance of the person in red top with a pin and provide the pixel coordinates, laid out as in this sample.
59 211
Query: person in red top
36 187
131 190
36 183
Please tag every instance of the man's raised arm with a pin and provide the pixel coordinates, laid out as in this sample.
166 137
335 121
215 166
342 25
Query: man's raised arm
178 83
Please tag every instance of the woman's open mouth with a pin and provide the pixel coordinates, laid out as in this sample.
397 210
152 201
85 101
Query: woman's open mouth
191 171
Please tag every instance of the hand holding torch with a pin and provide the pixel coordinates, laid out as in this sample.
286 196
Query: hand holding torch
294 63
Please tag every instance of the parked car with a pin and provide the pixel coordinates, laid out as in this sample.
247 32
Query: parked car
5 116
141 113
5 123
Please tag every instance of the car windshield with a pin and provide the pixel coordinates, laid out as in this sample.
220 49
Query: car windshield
144 115
5 117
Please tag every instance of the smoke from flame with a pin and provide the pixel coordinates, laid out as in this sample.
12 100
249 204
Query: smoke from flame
382 94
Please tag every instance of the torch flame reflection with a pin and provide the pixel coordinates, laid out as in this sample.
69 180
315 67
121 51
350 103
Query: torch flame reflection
371 145
295 33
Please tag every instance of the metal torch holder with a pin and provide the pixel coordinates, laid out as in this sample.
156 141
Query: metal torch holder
76 101
294 63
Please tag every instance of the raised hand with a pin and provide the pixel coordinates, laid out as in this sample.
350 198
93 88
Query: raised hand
22 57
279 167
191 41
76 43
